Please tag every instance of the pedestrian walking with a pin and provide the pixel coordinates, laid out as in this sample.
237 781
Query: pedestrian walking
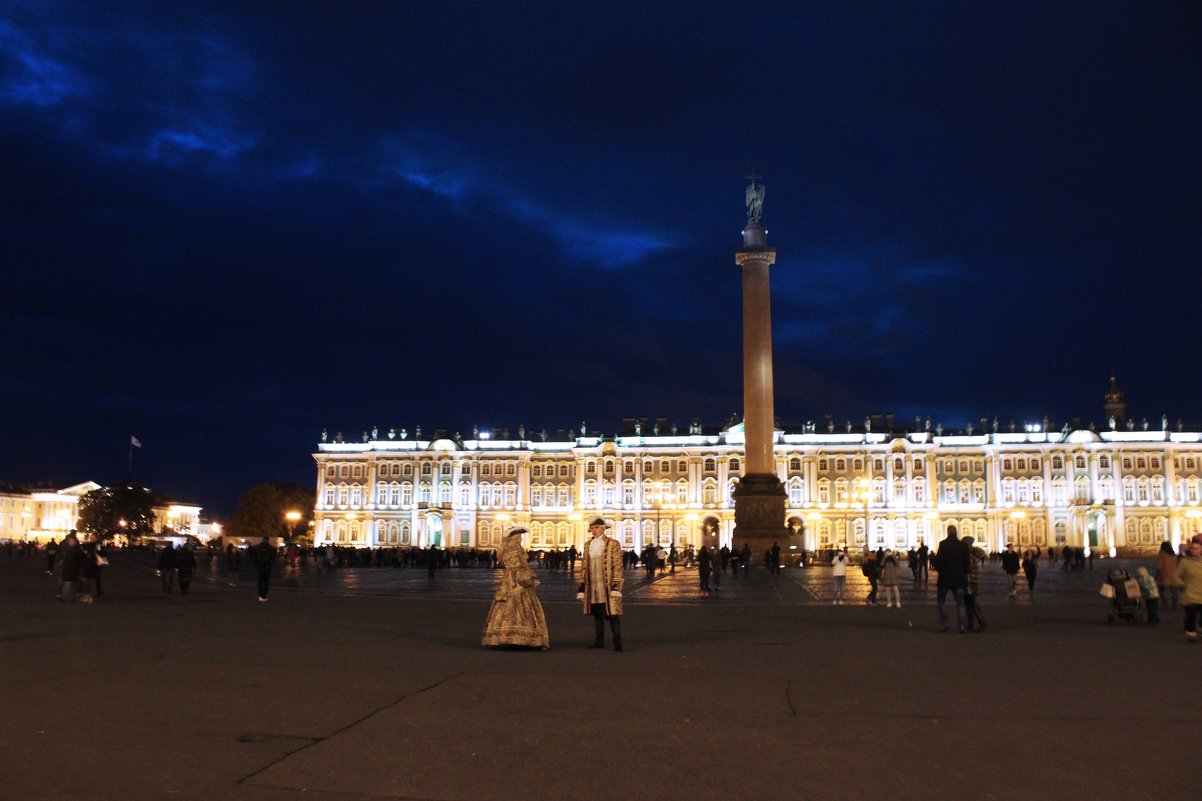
952 562
1166 574
774 559
1189 573
715 568
839 573
1010 565
1030 566
72 560
264 560
51 555
704 568
185 566
889 570
232 558
1151 594
872 571
166 567
600 583
972 609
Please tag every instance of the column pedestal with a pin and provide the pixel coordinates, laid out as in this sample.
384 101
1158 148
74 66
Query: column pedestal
760 501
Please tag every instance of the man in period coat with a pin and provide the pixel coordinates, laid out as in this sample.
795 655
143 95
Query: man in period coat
600 581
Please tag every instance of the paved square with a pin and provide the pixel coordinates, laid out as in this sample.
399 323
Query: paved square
370 683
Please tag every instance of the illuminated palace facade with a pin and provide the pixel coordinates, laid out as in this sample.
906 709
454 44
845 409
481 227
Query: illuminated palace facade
1117 491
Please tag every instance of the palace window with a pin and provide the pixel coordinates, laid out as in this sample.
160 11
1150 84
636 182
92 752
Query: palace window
734 465
841 465
590 493
590 468
920 491
664 466
841 490
965 491
486 469
607 494
565 496
1104 462
796 494
823 465
1080 462
1057 463
1021 465
1141 463
1037 492
824 491
682 466
1007 465
406 494
427 468
899 466
709 493
536 471
609 468
444 469
564 471
918 465
536 496
1158 490
978 492
628 493
710 465
794 465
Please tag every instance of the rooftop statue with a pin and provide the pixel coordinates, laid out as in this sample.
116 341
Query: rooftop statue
755 199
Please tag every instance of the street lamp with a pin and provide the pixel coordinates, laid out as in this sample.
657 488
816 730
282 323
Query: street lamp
293 517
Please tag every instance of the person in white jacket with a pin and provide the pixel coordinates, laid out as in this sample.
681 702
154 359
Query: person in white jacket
839 571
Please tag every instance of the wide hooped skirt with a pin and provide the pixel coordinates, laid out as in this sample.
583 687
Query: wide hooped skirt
519 620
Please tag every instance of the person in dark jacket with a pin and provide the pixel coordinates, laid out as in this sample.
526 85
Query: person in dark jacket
72 561
264 560
89 569
952 560
51 555
1010 564
185 565
1030 565
704 569
166 566
872 571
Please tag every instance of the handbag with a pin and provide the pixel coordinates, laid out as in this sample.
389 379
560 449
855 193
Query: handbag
1107 591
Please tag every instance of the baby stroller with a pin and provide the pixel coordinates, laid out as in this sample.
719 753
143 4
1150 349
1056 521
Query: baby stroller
1125 597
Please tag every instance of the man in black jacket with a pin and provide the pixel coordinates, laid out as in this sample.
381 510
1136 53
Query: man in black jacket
1010 563
952 561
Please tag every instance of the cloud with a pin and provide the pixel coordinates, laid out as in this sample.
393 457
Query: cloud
126 89
447 169
29 76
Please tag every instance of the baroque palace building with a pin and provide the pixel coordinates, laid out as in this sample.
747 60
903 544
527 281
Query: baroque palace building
1123 490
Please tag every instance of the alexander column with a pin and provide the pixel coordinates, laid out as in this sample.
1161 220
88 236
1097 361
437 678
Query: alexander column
759 496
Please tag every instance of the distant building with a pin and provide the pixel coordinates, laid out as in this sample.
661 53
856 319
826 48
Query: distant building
45 514
1122 491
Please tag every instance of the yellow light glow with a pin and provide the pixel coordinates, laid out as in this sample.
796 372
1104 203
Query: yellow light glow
1017 515
292 516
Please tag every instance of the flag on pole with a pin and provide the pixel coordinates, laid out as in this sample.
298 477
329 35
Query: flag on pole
137 443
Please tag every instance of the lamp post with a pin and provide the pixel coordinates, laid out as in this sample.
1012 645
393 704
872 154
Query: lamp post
863 492
690 518
576 517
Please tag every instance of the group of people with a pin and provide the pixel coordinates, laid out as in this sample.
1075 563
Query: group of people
516 619
80 567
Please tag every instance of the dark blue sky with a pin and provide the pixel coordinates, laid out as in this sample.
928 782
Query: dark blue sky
225 226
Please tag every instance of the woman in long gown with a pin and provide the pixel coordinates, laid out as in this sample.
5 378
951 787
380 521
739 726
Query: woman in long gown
516 616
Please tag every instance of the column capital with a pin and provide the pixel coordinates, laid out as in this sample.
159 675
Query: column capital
766 255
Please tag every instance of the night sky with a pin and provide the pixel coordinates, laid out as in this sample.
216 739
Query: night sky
227 226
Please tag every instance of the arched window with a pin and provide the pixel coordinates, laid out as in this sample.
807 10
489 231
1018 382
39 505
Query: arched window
734 465
824 490
709 493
